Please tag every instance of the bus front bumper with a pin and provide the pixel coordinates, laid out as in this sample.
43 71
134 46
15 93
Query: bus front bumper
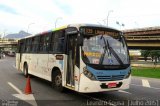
87 86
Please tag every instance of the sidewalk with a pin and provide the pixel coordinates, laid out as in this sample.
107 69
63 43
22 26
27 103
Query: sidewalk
144 64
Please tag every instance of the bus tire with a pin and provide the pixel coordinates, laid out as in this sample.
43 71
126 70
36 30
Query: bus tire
25 70
57 81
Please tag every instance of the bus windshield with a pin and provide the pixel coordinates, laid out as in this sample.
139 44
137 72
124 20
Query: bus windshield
105 50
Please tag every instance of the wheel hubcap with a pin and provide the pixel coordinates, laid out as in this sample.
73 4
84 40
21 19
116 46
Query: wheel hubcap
58 80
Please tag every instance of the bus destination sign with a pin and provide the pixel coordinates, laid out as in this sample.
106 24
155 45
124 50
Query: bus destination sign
91 31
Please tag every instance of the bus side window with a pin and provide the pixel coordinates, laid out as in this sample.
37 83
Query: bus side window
21 46
52 42
35 44
32 43
59 42
28 45
25 46
41 43
44 43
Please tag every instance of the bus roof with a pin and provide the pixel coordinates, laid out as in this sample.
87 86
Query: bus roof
28 36
90 25
72 25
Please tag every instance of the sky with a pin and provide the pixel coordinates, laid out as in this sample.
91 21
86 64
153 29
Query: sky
35 16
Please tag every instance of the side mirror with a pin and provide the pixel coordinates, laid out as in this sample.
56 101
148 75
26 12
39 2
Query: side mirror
80 40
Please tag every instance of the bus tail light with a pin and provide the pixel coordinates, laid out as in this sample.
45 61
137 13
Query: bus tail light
88 74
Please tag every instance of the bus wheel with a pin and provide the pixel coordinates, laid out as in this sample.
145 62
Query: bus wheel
25 70
57 81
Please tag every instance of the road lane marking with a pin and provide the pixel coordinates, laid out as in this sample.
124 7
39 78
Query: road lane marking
15 88
145 83
143 86
27 98
122 91
20 95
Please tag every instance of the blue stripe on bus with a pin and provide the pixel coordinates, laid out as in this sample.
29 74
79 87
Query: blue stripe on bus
108 74
61 63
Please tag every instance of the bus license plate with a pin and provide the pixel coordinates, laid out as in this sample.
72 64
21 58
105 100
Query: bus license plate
112 85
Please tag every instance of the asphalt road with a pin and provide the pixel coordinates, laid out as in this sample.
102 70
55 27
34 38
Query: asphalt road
143 91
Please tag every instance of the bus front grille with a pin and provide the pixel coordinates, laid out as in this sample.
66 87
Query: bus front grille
110 78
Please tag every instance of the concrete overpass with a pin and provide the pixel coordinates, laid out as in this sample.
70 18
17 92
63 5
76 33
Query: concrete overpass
8 43
143 38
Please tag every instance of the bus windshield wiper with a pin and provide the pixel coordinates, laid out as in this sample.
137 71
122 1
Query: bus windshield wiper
109 50
115 54
106 48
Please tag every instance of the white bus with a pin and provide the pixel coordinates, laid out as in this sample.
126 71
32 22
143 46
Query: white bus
82 57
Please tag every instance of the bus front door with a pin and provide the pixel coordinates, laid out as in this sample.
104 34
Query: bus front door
70 61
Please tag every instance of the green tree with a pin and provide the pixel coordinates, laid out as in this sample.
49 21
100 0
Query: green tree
145 54
155 54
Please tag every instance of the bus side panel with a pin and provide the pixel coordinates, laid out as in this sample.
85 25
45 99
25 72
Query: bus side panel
42 66
22 62
34 67
26 58
56 62
37 65
18 61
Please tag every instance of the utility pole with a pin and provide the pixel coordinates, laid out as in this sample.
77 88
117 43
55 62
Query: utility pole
108 15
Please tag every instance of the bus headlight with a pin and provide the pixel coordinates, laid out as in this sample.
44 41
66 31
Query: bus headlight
127 76
88 74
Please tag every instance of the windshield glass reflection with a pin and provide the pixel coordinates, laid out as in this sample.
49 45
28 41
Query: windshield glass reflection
105 50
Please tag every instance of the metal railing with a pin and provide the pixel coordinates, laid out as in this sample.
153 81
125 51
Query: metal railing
8 41
142 37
